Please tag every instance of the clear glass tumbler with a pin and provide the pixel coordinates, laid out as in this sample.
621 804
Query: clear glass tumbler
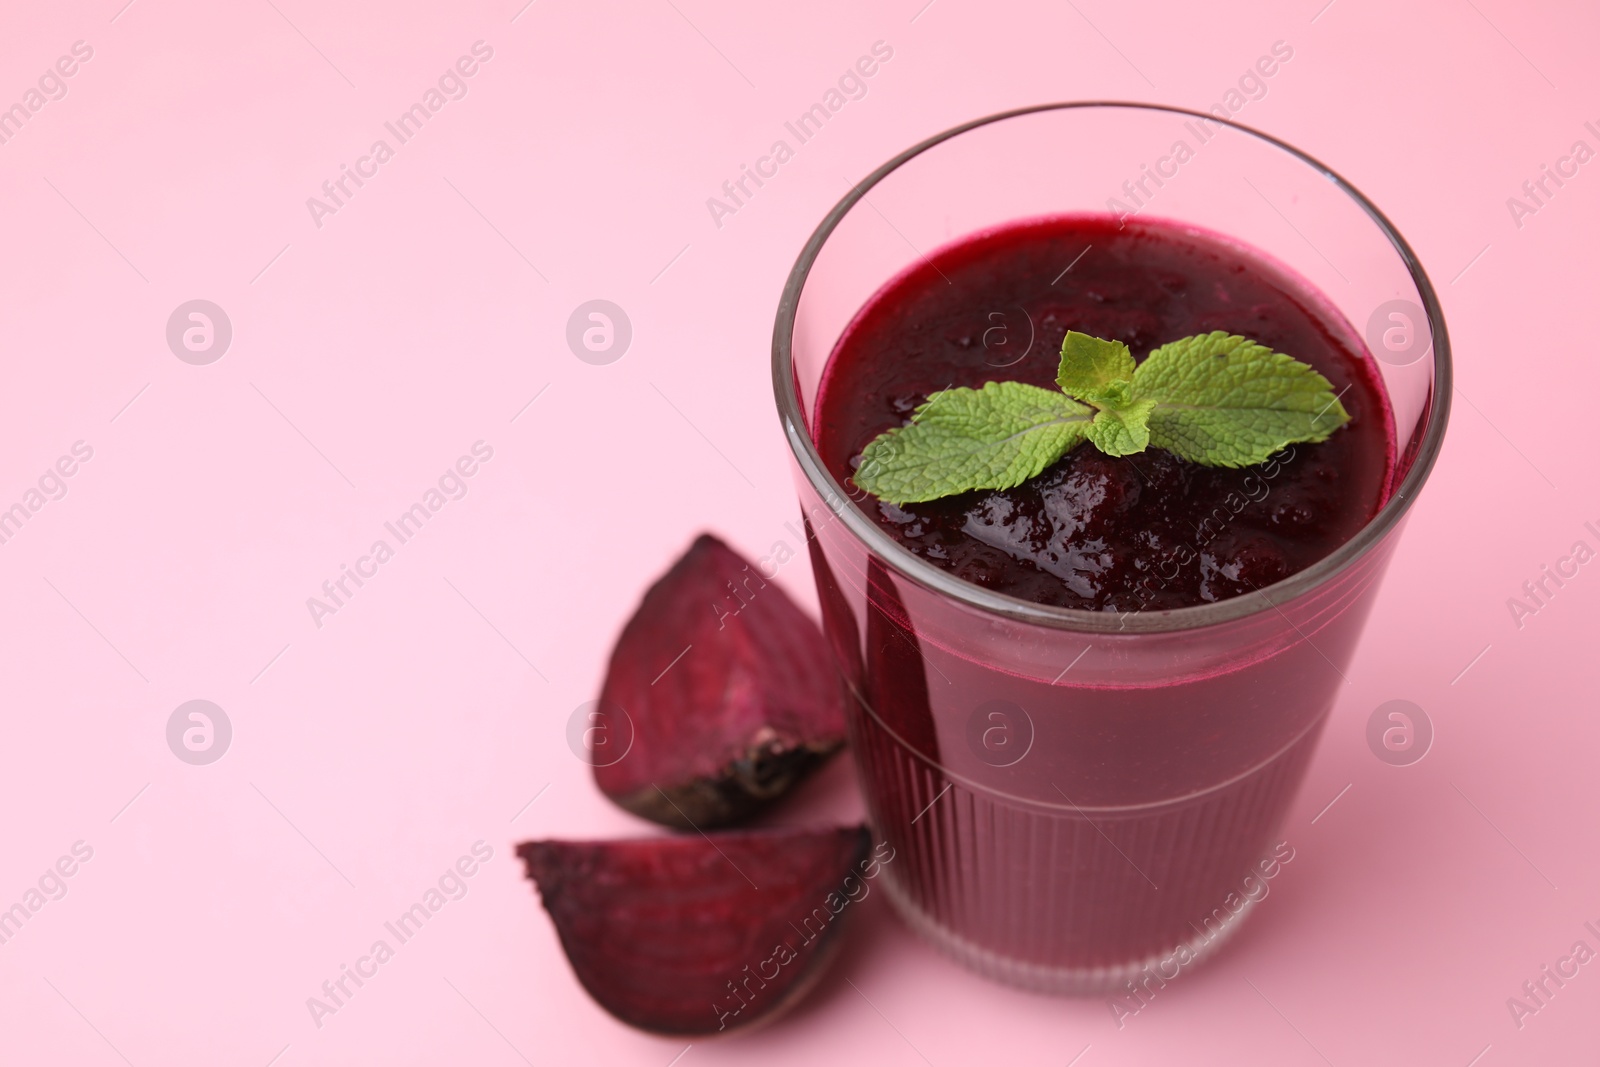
1074 797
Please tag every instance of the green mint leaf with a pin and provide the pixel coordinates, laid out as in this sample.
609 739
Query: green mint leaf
1215 399
1095 371
961 439
1124 432
1226 401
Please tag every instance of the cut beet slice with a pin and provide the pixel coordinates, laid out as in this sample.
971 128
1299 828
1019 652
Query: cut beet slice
730 691
699 935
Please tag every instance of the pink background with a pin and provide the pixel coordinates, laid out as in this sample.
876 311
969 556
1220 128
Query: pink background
368 754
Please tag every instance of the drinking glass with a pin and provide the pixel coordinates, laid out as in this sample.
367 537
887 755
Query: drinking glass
1077 799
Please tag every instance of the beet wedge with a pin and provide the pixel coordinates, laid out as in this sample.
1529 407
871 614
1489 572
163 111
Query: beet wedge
701 935
730 691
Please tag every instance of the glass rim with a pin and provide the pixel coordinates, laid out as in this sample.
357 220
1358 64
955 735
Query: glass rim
794 419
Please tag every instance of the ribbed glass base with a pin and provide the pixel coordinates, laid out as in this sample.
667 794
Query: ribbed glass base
1065 981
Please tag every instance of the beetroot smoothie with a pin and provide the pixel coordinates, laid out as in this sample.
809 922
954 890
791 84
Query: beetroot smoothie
1063 830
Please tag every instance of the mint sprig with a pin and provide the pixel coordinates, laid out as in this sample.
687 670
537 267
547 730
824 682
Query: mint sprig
1216 399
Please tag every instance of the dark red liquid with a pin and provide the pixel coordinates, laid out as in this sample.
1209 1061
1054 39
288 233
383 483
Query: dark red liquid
1060 829
1141 532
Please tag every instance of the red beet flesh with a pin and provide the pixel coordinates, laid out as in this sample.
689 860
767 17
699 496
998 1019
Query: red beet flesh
729 689
698 935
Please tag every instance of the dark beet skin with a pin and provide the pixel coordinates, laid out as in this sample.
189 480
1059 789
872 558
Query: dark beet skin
727 727
1143 532
695 935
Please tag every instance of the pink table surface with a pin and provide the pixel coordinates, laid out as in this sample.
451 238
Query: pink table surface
371 351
